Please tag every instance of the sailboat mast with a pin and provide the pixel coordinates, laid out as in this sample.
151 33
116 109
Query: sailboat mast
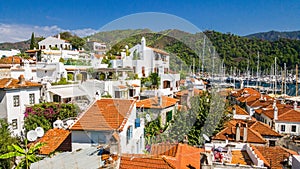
285 73
203 52
296 80
257 71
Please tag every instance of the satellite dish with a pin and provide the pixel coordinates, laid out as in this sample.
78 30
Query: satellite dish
58 124
32 135
206 137
40 131
148 118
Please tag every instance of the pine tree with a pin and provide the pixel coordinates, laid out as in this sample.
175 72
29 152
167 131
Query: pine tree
32 41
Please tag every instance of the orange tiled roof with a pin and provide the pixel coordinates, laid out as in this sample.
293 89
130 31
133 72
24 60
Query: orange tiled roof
154 104
248 97
158 51
240 157
144 162
10 83
53 138
11 60
240 92
256 131
284 114
180 155
239 110
273 156
185 92
135 85
105 114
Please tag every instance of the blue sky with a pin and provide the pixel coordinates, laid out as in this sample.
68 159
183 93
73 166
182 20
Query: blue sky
84 17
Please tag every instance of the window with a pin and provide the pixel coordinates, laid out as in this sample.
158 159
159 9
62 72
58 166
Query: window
282 127
128 134
272 143
117 94
16 101
131 92
169 116
31 98
14 124
294 128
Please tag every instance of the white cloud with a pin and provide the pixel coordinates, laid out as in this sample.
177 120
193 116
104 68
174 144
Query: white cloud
18 32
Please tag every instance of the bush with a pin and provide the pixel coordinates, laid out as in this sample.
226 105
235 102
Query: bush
62 81
79 76
70 76
44 114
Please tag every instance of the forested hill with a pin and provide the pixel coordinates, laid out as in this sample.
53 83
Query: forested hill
275 35
235 50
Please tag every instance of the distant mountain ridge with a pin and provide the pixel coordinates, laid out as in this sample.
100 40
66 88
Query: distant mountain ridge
275 35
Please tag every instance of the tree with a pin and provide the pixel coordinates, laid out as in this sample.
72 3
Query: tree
26 155
66 35
77 42
155 79
5 140
32 41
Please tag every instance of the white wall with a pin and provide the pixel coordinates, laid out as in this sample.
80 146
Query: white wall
18 112
288 127
136 144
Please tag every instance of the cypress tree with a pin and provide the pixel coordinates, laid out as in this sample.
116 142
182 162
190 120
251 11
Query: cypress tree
32 41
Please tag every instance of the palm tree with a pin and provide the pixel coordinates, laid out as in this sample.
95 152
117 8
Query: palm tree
26 155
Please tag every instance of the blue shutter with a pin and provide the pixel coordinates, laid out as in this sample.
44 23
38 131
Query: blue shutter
137 122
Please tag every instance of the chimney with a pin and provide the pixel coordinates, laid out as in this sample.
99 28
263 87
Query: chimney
245 136
275 113
21 79
295 105
159 98
58 36
274 104
190 95
238 132
233 110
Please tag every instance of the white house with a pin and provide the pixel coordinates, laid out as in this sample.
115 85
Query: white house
53 42
283 118
160 106
113 122
6 53
97 47
50 72
15 95
144 60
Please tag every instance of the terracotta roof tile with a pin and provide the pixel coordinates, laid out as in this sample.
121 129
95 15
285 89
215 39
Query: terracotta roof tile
273 156
256 131
53 138
144 162
105 114
154 104
11 60
185 92
240 157
180 155
10 83
239 110
158 51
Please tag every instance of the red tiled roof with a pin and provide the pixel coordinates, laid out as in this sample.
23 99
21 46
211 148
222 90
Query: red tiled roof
53 138
180 155
256 131
135 85
185 92
105 114
273 156
158 51
154 104
10 83
240 157
239 110
144 162
11 60
240 92
284 113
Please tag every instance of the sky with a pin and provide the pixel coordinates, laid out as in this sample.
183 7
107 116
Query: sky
18 19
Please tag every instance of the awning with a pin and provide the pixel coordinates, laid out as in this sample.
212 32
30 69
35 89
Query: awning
68 92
